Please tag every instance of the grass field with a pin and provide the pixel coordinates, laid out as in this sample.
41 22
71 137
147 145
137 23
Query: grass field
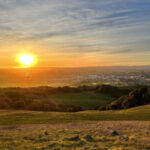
95 135
87 100
12 117
87 130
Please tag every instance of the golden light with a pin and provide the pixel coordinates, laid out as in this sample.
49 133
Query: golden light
26 59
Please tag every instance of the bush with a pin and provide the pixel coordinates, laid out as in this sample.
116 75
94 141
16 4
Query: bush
33 99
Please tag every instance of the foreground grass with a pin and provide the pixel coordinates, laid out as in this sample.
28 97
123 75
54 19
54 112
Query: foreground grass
87 130
12 117
132 135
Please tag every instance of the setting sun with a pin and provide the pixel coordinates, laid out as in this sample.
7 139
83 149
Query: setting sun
26 59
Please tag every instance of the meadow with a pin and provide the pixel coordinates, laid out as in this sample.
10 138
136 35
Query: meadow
88 100
19 117
86 130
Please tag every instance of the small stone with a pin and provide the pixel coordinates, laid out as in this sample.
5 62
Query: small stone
125 138
76 138
46 133
147 132
89 138
114 133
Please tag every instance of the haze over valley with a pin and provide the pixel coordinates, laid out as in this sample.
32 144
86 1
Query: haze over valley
52 76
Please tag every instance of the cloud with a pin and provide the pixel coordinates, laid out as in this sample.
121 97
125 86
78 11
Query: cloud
80 25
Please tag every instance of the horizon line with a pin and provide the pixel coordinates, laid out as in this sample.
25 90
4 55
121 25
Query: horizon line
74 66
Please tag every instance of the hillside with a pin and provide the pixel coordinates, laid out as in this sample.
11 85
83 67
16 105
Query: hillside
137 97
130 135
12 117
124 129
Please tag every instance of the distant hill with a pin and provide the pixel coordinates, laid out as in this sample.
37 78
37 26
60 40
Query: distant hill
139 96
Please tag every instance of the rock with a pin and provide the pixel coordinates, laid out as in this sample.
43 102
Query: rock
46 133
147 132
89 138
76 138
114 133
125 138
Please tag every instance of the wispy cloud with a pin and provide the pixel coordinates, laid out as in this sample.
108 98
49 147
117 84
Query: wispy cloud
78 25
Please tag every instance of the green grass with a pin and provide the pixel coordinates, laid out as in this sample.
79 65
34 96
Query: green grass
12 117
22 130
87 100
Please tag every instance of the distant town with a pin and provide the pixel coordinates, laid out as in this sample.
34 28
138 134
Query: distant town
118 76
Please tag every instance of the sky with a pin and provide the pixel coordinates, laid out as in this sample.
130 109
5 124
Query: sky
74 33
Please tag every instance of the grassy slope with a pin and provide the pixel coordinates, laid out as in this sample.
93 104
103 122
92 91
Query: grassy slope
87 100
33 137
29 117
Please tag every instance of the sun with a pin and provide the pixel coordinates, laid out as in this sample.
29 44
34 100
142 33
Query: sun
26 59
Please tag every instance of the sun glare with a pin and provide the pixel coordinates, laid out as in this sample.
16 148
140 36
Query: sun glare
26 60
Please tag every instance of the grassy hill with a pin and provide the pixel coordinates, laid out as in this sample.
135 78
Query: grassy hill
137 97
22 130
13 117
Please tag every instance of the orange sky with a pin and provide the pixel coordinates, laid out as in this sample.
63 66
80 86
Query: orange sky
74 33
